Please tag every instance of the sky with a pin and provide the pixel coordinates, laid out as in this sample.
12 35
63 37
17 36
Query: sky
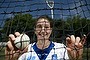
61 9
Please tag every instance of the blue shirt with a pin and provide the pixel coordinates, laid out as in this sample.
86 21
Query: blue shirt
42 54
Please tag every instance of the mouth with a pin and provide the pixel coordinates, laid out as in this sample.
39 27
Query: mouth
43 35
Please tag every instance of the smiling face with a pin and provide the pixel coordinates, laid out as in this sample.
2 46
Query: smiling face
43 29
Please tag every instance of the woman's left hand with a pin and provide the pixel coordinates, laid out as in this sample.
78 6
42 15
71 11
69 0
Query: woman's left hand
75 45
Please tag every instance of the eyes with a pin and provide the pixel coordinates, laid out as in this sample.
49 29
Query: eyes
40 26
43 24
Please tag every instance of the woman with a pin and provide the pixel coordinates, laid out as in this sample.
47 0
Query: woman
44 49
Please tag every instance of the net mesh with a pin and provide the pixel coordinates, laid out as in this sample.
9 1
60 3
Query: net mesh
69 17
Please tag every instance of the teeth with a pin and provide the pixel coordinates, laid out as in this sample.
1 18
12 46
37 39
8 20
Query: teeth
42 34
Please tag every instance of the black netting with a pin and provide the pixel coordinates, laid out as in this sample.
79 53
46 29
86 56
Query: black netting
69 17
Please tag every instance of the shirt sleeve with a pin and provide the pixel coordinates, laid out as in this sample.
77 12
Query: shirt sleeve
65 53
65 56
61 51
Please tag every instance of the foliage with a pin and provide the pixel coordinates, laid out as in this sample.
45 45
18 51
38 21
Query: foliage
25 23
20 22
78 24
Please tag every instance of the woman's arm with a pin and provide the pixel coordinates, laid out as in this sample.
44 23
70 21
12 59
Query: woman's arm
6 54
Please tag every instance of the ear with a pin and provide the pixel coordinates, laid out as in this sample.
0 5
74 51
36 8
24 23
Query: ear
51 30
35 30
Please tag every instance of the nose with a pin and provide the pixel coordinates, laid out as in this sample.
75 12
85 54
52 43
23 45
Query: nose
43 29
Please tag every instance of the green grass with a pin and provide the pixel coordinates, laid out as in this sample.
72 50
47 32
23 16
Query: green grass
85 56
2 54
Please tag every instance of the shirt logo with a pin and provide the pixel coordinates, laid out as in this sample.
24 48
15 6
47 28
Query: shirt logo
54 57
31 58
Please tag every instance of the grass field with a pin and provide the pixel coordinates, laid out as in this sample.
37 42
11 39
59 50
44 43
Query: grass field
85 56
2 55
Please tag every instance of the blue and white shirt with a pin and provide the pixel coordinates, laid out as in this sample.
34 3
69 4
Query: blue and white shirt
55 51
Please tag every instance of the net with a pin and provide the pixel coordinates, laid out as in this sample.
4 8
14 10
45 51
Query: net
69 17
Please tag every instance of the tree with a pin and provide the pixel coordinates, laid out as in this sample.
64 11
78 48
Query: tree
25 23
20 22
78 24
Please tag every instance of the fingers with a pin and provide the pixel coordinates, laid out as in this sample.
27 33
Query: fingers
83 40
69 49
17 34
73 38
77 40
70 39
78 43
12 37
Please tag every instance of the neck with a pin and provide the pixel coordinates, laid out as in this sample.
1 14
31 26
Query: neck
42 44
